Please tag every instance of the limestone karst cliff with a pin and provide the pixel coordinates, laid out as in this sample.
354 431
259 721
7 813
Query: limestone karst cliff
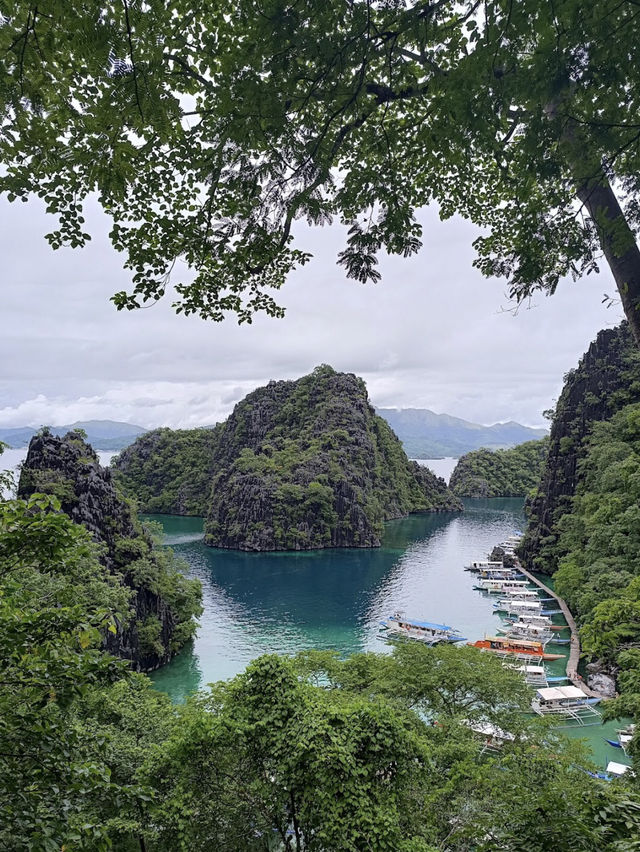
163 601
298 465
606 379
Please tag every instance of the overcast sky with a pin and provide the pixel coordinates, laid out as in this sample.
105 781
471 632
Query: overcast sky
433 334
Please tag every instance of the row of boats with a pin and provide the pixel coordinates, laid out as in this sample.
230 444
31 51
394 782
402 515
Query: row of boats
527 629
521 640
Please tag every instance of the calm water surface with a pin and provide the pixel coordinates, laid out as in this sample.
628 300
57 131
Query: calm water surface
256 603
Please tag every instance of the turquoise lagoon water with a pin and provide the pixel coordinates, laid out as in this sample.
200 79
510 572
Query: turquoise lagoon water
256 603
286 602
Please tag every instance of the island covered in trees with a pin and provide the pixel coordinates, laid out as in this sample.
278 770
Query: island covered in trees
298 465
499 473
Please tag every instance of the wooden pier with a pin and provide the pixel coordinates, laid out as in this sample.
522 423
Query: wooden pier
574 648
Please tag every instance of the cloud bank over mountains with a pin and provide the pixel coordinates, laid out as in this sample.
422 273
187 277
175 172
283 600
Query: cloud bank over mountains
433 334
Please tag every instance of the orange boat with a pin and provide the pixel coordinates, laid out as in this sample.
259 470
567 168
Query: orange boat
516 647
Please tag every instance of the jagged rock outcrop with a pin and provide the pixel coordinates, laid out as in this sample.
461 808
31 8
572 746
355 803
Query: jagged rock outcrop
169 471
499 473
298 465
606 379
307 464
163 600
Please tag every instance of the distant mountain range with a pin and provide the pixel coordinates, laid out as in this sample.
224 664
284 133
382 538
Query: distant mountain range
101 434
424 434
427 435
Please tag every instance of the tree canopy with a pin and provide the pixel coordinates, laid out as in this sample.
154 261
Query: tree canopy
206 133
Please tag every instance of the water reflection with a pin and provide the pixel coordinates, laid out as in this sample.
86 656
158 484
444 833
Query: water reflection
283 602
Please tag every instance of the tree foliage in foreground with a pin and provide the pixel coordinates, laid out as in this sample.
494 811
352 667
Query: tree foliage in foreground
312 753
206 135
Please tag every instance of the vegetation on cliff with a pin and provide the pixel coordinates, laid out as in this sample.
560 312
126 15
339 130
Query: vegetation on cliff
162 602
307 464
169 471
298 465
313 754
499 473
606 379
585 518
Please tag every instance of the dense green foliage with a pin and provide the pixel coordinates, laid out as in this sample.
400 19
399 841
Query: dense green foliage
599 570
313 754
163 601
298 465
500 473
606 379
308 464
205 135
169 471
584 520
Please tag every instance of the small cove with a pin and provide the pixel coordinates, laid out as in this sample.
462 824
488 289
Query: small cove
257 603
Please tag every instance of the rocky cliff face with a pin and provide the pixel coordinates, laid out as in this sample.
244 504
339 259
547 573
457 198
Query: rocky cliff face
308 464
606 379
163 601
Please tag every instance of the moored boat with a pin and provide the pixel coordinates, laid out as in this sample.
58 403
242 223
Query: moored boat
569 702
519 648
430 633
494 585
517 606
538 621
522 630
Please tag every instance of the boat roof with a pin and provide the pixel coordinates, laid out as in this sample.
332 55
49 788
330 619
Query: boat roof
506 640
617 768
532 669
553 692
531 604
428 624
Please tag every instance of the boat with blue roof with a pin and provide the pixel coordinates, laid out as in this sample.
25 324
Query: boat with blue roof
399 626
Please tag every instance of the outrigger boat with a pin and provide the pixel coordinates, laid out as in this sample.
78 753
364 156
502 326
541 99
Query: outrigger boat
486 584
625 735
522 630
534 675
480 565
518 605
520 608
538 621
569 702
523 649
399 626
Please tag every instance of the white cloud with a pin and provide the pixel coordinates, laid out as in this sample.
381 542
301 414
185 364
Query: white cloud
433 334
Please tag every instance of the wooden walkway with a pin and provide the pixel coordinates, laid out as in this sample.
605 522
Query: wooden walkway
574 652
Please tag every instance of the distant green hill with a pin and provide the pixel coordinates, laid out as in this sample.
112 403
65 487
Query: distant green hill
500 473
427 435
101 434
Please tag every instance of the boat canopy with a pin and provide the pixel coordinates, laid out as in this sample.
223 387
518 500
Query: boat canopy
558 693
503 640
614 768
428 625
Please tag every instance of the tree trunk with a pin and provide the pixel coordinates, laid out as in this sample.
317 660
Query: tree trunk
618 244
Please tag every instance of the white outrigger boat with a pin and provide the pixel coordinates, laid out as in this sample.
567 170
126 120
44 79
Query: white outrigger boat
534 675
522 630
538 621
568 702
516 607
400 627
486 566
495 586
